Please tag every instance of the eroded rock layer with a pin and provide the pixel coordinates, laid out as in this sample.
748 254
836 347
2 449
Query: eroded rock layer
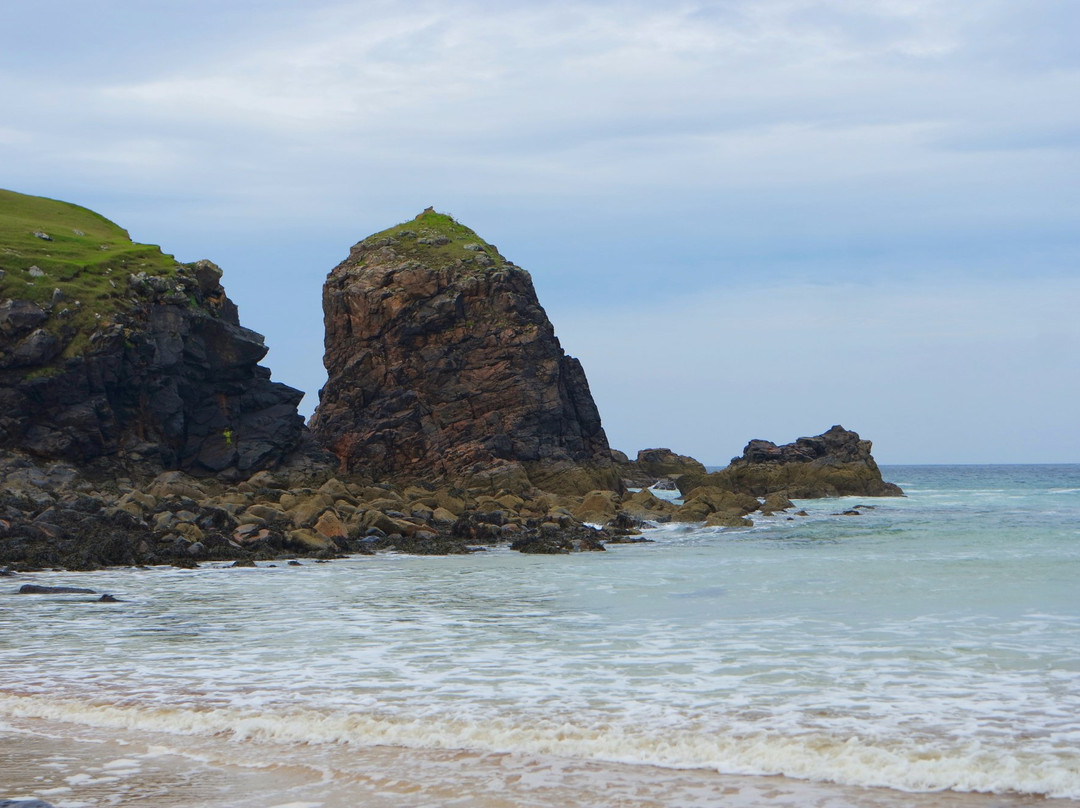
441 361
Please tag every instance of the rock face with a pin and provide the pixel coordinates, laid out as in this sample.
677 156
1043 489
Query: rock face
131 354
835 463
442 362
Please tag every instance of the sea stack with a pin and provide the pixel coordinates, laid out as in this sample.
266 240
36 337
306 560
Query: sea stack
443 364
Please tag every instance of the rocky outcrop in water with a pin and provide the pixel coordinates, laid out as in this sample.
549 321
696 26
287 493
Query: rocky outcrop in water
442 363
836 463
131 356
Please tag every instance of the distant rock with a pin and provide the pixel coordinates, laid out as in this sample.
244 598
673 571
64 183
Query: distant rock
442 363
36 589
836 463
655 465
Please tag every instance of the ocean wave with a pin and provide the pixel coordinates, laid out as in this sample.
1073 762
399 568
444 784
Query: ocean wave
915 764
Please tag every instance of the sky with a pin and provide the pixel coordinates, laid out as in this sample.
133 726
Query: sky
747 218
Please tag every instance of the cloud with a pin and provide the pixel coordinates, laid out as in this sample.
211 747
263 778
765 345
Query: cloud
631 155
934 372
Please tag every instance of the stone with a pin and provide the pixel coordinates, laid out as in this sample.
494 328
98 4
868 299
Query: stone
597 507
37 589
727 519
306 512
438 366
330 526
442 516
775 502
165 367
267 513
307 539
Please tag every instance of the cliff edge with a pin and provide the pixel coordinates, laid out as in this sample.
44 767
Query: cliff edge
112 349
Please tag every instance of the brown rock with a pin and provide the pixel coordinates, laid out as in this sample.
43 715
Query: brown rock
307 539
330 526
441 361
598 507
727 519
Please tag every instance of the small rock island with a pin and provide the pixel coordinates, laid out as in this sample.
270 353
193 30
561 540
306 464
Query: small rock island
138 427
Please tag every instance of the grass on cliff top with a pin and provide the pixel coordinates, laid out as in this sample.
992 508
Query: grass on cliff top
87 257
437 237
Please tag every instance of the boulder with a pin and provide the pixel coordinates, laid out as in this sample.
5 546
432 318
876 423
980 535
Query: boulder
598 507
727 519
330 526
306 539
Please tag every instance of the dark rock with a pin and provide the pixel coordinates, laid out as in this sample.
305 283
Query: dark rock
35 589
439 366
110 599
170 380
18 317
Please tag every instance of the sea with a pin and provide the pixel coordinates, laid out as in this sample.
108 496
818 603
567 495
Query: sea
924 652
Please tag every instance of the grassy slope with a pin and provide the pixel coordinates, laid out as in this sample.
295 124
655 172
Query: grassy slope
432 226
86 252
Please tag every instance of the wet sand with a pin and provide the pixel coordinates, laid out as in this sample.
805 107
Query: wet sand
72 766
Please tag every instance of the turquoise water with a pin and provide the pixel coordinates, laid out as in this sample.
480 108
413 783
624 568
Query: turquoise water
930 644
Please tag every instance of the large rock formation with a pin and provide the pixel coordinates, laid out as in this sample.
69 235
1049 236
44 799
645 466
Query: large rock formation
442 362
113 349
835 463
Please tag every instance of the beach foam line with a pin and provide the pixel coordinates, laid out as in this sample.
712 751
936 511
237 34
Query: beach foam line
913 765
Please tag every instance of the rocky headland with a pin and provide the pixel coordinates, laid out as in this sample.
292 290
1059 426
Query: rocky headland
137 427
112 351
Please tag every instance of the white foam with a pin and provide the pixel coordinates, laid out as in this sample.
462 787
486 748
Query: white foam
916 764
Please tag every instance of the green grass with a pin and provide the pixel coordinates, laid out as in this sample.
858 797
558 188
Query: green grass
88 259
408 241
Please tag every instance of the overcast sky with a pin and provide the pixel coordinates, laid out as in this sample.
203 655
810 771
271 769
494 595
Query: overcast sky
748 218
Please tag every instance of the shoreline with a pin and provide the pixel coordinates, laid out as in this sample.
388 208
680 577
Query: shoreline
73 765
